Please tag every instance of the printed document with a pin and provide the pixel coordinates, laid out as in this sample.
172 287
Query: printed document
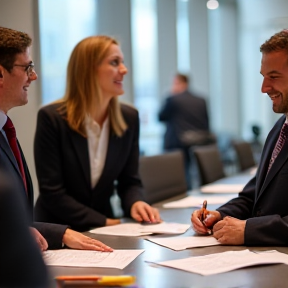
226 261
222 188
197 201
182 243
86 258
232 184
136 229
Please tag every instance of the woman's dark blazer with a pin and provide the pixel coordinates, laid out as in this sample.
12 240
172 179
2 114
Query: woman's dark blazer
264 200
63 171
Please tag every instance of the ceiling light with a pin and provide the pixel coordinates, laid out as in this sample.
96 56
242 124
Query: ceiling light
212 4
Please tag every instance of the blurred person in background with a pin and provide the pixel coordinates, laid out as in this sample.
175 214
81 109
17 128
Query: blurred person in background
187 123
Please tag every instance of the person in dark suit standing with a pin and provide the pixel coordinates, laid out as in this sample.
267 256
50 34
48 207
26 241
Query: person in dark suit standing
186 119
21 263
259 215
16 74
86 144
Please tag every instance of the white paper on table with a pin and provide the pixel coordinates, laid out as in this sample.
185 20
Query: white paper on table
181 243
222 188
136 229
86 258
226 261
197 201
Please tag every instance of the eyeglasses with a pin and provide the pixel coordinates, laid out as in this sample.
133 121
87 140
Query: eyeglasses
28 68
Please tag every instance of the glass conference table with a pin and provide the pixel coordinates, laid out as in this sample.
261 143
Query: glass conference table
150 276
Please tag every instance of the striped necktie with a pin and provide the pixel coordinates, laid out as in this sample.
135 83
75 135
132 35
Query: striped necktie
280 142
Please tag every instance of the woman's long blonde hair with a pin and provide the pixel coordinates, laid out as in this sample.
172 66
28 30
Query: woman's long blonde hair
83 93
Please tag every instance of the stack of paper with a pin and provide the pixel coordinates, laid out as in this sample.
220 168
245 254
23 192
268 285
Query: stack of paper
181 243
225 261
86 258
222 188
197 201
136 229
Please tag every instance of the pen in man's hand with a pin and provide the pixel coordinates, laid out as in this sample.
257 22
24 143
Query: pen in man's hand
203 212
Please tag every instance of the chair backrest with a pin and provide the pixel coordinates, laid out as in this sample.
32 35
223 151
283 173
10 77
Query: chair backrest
163 176
244 154
209 162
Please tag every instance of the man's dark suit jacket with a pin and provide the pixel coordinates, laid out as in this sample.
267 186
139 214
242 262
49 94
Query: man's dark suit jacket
21 263
63 171
264 200
51 232
183 112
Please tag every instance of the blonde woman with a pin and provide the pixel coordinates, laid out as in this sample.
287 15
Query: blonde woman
86 145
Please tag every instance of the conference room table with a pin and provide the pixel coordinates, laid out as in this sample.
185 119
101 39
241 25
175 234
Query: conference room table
150 275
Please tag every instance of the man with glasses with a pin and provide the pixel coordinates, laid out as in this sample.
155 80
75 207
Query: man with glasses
16 74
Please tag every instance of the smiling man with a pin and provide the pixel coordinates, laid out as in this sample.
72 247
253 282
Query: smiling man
259 215
16 74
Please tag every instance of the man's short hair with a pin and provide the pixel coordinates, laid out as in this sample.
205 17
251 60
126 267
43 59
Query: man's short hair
183 78
12 42
277 42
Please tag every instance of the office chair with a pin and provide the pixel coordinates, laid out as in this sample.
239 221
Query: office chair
209 162
244 154
163 176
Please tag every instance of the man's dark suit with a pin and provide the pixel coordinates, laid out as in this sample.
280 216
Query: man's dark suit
21 263
51 232
63 171
181 113
264 200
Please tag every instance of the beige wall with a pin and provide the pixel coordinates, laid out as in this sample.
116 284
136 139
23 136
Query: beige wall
19 15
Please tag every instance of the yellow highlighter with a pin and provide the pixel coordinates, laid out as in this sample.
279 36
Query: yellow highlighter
122 280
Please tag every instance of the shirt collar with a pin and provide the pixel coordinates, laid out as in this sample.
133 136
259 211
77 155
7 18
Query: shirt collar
91 122
3 119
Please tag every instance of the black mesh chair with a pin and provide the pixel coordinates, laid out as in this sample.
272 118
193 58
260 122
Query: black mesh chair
163 176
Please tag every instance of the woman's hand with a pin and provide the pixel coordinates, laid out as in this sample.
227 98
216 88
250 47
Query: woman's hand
40 240
110 222
141 211
76 240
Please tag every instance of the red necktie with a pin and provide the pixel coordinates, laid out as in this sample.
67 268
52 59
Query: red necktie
280 142
11 136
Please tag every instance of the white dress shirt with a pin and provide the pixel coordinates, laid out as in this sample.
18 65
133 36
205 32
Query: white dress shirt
97 147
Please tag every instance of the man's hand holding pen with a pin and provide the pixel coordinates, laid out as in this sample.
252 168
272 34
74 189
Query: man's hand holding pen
229 231
203 220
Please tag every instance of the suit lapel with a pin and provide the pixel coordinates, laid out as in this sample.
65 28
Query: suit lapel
264 177
28 178
7 150
80 145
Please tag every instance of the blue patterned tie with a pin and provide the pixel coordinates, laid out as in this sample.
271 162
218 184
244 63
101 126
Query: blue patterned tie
279 144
